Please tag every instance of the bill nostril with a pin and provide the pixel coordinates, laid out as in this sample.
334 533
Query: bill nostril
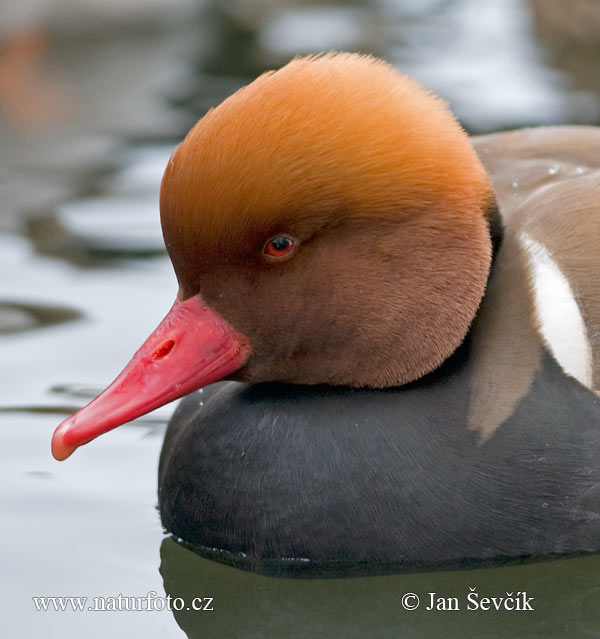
164 349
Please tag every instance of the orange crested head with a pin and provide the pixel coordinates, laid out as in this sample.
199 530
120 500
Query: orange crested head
334 213
325 137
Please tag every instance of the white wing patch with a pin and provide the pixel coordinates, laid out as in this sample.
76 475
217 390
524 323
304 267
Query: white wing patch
559 318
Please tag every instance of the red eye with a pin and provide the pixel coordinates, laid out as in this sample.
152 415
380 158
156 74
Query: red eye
279 246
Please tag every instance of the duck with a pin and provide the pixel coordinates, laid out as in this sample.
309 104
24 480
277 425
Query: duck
386 334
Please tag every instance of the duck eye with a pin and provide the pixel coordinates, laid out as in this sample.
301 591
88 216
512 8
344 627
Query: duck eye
279 246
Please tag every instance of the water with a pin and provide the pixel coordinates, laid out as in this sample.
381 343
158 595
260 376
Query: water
94 108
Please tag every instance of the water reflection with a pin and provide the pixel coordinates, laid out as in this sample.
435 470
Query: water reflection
16 316
247 605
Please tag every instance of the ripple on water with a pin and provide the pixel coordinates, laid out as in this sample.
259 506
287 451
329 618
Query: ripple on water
16 317
113 225
121 223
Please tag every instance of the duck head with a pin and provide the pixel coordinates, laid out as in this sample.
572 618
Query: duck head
328 223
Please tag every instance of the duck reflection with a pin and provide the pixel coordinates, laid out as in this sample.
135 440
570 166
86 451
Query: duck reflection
248 605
